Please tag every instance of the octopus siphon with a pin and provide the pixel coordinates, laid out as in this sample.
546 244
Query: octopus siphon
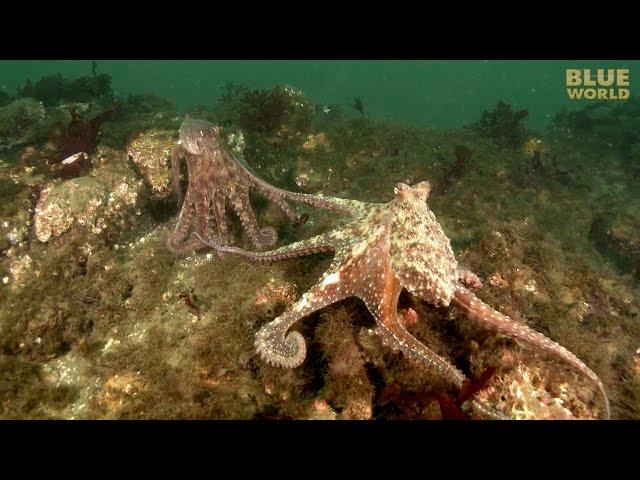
380 249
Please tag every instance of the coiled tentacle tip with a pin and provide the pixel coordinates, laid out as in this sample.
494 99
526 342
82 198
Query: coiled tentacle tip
287 352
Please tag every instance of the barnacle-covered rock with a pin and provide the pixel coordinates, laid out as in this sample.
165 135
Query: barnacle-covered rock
15 230
119 390
274 293
527 392
15 218
236 141
61 204
20 269
108 197
72 370
151 152
320 410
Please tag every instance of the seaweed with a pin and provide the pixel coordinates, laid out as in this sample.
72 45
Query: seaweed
80 134
19 116
613 124
142 104
358 105
503 125
276 112
5 98
456 171
451 406
618 245
55 89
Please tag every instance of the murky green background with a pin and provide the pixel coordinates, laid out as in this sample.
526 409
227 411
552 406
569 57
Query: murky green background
438 93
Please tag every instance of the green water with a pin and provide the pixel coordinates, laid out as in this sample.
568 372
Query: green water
437 93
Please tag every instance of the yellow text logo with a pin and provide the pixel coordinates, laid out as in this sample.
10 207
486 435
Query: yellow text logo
603 84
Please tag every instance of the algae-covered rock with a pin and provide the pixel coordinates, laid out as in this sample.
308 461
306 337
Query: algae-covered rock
151 152
99 328
615 235
107 199
347 386
524 391
19 115
316 142
276 115
309 178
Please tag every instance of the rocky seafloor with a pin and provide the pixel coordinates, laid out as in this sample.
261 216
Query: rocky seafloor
100 321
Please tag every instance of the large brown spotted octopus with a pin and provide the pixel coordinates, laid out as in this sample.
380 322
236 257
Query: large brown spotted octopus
216 177
379 250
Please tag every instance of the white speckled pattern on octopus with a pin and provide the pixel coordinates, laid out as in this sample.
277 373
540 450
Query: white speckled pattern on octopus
378 251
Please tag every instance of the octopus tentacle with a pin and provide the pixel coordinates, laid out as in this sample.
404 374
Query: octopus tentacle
204 226
395 335
184 248
175 241
477 310
260 237
284 206
338 205
288 350
205 220
381 298
469 279
318 244
220 214
213 241
177 154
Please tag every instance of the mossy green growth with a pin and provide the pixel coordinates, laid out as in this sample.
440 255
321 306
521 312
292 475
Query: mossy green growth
173 338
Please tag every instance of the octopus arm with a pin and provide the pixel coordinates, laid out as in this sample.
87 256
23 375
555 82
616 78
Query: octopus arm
219 206
469 279
177 154
477 310
338 205
286 349
176 241
260 237
318 244
380 294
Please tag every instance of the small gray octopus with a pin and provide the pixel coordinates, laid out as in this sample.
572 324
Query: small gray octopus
216 178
